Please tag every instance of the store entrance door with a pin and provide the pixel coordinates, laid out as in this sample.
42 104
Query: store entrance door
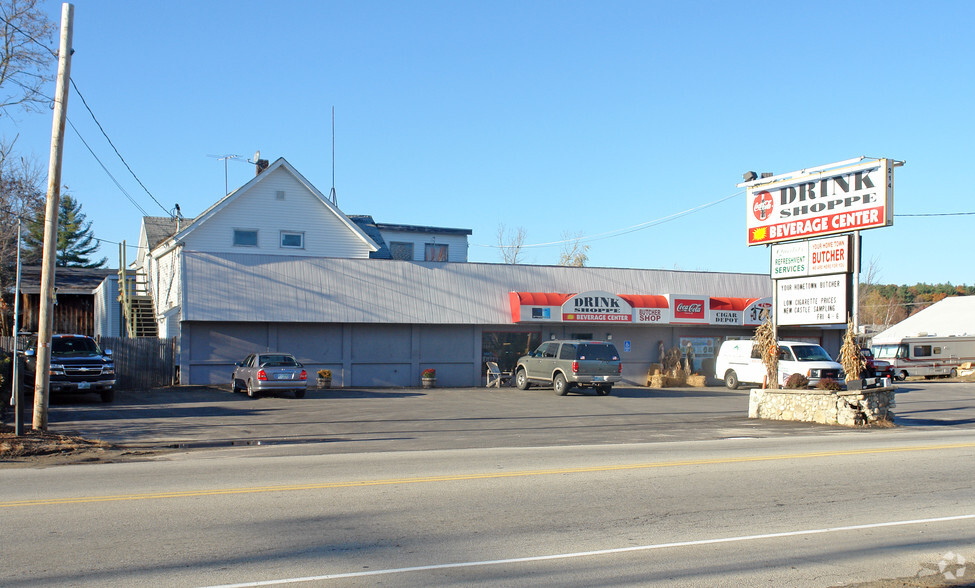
505 347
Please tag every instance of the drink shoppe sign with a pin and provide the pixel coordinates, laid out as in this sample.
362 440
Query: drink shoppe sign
597 307
837 198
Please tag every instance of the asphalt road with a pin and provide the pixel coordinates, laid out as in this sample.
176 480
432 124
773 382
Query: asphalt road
494 488
358 420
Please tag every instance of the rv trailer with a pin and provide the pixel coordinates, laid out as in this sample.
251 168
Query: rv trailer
927 356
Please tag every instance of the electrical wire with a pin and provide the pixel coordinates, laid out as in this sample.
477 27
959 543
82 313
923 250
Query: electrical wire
107 138
622 231
117 184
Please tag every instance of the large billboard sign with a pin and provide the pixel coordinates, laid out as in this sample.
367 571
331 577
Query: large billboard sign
831 200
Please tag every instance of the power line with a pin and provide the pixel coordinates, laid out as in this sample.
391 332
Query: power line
939 214
107 138
117 184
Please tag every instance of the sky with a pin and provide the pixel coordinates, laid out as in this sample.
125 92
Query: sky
629 123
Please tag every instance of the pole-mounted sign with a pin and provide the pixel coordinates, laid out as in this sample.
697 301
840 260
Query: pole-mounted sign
837 198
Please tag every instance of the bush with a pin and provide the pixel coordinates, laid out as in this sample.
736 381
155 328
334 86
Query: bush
828 384
797 382
429 374
325 374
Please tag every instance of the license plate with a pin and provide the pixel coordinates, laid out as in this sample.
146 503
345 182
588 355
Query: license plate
83 385
282 376
599 378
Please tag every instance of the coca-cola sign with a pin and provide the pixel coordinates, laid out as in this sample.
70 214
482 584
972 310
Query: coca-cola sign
689 309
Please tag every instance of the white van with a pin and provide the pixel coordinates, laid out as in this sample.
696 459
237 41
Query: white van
740 361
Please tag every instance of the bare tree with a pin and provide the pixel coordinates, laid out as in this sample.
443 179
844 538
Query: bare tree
21 191
574 253
25 55
510 244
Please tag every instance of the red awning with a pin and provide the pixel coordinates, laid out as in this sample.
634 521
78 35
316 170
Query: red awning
729 303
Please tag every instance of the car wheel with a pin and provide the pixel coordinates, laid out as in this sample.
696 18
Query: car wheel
603 390
521 380
560 385
299 393
233 385
108 395
251 392
731 380
953 373
902 376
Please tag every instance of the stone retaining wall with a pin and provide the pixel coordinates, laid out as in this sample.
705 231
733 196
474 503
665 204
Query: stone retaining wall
844 407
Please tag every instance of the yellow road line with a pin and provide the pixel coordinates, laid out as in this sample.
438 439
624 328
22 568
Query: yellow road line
482 476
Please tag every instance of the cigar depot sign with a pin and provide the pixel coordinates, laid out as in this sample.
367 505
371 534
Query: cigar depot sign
832 199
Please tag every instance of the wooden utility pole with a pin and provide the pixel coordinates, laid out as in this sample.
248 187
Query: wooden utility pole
46 315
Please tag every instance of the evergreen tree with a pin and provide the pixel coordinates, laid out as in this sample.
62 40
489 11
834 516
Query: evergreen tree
75 240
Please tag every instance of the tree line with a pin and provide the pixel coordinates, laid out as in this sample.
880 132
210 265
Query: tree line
888 304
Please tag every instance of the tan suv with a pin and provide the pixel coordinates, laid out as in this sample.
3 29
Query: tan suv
567 364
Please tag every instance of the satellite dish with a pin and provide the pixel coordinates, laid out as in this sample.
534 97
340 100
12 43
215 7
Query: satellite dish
257 156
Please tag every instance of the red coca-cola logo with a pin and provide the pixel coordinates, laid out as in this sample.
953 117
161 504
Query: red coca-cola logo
762 206
689 309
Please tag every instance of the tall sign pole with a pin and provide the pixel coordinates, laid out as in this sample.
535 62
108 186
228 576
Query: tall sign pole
45 322
16 386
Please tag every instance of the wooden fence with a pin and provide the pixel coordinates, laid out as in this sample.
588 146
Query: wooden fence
140 363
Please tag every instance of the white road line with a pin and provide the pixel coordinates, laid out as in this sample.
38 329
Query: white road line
496 562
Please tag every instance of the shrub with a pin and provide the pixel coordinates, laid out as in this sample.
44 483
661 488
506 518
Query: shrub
828 384
429 374
325 374
797 382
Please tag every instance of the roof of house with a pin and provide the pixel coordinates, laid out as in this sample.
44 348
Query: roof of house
188 225
160 228
954 316
368 226
68 280
277 288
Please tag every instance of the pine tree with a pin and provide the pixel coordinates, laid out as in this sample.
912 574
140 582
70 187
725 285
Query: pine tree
75 240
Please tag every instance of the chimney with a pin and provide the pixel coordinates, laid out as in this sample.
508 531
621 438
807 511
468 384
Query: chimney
261 166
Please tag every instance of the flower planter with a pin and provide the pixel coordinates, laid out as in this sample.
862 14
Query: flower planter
324 382
429 382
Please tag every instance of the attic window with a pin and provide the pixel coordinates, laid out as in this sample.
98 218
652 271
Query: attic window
279 195
245 237
292 240
434 252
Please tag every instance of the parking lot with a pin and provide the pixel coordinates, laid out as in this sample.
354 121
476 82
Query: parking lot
357 420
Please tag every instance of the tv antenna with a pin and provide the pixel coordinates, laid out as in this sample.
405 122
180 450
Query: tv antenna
225 159
332 194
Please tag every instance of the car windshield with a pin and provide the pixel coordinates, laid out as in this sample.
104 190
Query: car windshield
598 352
73 346
810 353
278 361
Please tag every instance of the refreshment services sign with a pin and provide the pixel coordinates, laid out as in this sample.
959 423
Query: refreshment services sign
811 258
837 199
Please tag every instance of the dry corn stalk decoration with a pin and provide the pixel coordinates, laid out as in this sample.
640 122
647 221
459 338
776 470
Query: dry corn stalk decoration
769 347
850 358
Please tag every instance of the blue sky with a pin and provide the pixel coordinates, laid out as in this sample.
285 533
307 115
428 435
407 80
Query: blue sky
591 117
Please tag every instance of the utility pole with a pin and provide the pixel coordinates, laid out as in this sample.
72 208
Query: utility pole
15 385
46 315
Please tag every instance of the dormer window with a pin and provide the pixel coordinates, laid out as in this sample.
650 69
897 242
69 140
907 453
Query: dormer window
245 237
292 240
434 252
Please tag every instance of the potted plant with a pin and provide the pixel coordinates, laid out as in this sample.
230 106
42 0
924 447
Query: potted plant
429 377
324 378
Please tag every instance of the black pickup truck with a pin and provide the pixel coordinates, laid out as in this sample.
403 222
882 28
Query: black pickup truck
78 366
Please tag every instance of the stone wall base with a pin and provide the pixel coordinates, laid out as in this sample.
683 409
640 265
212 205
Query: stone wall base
845 407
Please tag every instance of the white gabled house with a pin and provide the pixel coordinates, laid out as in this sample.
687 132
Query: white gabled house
277 212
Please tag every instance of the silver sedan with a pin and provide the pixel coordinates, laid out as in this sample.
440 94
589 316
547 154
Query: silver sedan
269 372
